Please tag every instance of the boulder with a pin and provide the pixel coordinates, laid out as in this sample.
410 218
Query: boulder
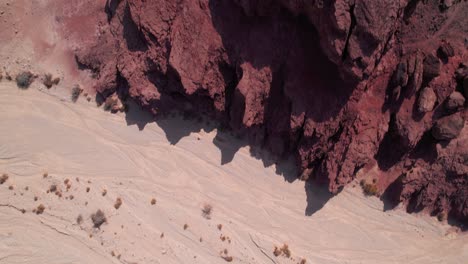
431 67
426 100
445 51
455 101
448 127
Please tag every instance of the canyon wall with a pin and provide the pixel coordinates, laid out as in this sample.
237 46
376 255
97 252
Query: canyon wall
350 87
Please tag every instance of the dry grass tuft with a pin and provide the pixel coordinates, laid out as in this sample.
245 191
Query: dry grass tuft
153 201
118 203
40 209
4 178
98 218
207 210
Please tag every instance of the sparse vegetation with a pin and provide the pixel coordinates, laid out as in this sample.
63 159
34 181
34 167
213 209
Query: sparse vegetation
23 211
162 235
11 187
76 92
441 216
220 226
45 174
53 188
40 209
87 189
4 178
118 203
370 189
36 198
49 81
104 192
98 218
282 251
207 210
303 261
153 201
185 226
79 219
24 79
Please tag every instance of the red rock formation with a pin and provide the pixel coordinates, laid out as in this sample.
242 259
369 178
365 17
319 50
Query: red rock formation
336 83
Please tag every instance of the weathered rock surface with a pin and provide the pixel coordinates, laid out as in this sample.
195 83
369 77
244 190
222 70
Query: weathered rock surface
427 100
334 83
455 101
448 127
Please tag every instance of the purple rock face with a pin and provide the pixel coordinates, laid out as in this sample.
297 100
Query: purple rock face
332 82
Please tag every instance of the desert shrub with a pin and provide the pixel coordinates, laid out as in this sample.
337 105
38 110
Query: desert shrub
47 81
153 201
98 218
185 226
283 250
303 261
24 79
118 203
220 226
441 216
40 209
87 189
370 189
79 219
207 210
53 188
4 178
76 92
104 192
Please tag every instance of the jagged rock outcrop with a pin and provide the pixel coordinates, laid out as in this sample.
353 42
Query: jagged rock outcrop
336 83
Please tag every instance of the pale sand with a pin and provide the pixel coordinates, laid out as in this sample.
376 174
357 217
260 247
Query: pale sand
43 131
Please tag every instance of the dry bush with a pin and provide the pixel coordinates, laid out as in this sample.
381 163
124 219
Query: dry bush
36 198
153 201
53 188
8 76
104 192
24 80
185 226
441 216
66 181
207 210
49 81
201 239
71 197
303 261
118 203
220 226
23 211
98 218
370 189
75 93
45 174
11 187
162 235
87 189
283 250
4 178
79 219
40 209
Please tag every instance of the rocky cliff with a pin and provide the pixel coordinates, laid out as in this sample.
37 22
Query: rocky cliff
347 86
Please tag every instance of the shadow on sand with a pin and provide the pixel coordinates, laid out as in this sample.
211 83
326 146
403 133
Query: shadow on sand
177 126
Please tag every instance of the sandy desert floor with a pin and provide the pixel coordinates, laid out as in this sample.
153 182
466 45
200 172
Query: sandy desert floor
43 131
